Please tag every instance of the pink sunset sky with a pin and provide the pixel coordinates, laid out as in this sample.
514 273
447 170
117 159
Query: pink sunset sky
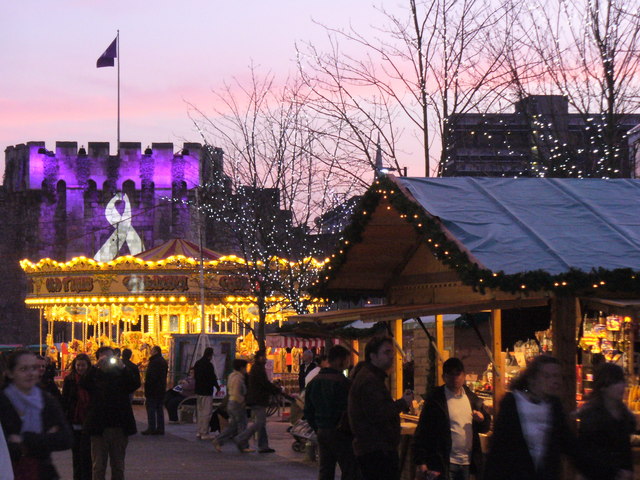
171 53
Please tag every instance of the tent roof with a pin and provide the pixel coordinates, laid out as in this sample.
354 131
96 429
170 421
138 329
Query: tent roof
514 235
178 246
524 224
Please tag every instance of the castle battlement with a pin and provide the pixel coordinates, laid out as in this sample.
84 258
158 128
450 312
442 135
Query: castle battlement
32 166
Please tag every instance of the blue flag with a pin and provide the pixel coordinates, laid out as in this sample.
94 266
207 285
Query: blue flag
107 58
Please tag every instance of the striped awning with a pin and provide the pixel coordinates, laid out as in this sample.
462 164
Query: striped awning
280 341
178 246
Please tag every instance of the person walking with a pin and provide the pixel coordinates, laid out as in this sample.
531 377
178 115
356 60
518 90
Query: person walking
75 403
109 420
206 381
306 367
447 441
32 420
236 406
259 392
126 360
325 409
172 398
6 469
155 383
605 428
531 431
374 416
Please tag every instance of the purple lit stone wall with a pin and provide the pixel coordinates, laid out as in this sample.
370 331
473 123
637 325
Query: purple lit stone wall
52 204
77 184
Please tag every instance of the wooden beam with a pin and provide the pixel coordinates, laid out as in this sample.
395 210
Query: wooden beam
565 316
397 334
440 346
498 363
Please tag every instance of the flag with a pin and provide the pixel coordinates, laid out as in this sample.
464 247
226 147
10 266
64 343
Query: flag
107 58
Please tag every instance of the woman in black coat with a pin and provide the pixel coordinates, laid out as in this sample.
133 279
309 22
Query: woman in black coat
605 428
75 403
32 421
531 430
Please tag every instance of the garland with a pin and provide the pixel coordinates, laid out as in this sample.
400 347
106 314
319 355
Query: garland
621 281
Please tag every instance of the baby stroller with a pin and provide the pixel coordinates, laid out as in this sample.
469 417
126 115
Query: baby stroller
302 433
300 429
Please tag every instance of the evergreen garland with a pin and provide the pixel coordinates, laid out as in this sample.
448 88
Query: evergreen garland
622 282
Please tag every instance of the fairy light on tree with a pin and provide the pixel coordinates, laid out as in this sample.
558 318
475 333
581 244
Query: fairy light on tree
586 51
277 181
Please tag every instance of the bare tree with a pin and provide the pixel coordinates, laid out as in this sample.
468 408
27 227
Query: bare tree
422 65
279 177
589 52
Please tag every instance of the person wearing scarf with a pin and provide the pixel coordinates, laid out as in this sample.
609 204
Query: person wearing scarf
32 421
75 403
6 469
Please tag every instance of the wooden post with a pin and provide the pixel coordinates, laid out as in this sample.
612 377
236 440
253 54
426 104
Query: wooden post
398 383
565 316
440 346
496 350
40 328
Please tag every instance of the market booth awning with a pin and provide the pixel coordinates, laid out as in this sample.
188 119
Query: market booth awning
386 313
444 245
286 341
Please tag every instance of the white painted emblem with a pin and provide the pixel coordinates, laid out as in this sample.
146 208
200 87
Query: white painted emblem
124 232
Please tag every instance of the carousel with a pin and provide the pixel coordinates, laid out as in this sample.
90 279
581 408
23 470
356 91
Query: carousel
140 301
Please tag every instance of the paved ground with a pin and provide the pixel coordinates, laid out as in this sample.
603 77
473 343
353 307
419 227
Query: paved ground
178 455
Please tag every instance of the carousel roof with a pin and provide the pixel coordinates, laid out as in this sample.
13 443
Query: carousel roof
178 246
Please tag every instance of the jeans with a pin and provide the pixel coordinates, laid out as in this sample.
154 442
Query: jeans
382 465
458 472
335 447
259 425
204 407
112 446
237 423
155 414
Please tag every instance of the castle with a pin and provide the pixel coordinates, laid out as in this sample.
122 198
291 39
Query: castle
85 202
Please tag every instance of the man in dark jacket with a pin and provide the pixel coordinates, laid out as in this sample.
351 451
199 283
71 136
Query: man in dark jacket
259 392
126 359
325 408
109 418
155 383
374 416
446 439
206 381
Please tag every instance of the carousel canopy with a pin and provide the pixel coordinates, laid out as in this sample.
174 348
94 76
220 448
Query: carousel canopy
178 246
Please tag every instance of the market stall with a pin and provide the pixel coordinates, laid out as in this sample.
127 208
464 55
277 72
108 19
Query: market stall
432 246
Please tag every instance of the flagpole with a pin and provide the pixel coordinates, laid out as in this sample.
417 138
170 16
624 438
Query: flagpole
118 57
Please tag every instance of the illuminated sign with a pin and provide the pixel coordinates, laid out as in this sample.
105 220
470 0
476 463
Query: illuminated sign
69 284
152 283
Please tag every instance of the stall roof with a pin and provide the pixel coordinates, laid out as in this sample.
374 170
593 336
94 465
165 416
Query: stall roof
522 224
629 307
393 312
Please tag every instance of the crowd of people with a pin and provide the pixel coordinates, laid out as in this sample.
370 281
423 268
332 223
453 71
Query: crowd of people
350 408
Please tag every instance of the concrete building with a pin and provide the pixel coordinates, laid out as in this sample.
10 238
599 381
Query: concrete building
540 138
